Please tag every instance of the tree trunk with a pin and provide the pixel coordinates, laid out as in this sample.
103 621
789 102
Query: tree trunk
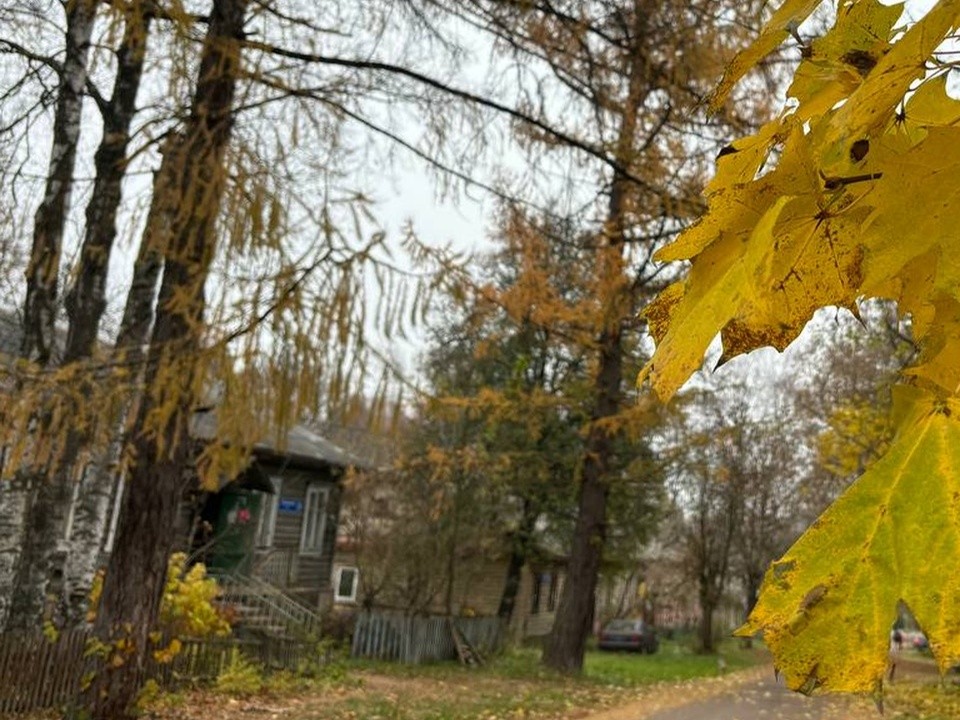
92 520
707 608
13 511
162 449
86 300
40 305
42 575
519 550
42 545
751 586
566 643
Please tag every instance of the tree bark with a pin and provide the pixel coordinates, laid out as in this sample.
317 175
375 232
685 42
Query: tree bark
40 305
92 518
86 300
21 517
43 568
566 644
13 511
707 607
161 449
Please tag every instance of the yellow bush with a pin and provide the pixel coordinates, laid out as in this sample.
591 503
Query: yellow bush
188 607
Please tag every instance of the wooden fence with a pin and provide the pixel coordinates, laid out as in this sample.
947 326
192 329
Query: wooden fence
414 639
36 673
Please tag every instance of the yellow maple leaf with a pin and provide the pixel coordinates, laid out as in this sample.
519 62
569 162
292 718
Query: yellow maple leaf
827 606
786 19
835 65
870 108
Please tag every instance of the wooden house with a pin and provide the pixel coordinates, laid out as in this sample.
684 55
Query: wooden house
276 522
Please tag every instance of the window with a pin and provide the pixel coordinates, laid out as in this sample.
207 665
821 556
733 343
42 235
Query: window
345 582
268 515
314 520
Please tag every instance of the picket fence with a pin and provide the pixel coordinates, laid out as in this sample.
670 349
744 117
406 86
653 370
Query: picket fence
36 673
414 639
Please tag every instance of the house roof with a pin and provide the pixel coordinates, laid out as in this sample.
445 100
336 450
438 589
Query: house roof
301 447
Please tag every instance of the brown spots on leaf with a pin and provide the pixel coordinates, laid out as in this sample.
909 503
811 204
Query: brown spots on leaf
861 60
659 312
859 149
812 598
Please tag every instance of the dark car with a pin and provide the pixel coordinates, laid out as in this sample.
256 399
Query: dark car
623 634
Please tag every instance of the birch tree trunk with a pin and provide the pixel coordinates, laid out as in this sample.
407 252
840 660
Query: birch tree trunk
40 306
135 576
40 303
41 586
93 511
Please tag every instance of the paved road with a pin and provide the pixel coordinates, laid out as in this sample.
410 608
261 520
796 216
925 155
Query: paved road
755 695
765 699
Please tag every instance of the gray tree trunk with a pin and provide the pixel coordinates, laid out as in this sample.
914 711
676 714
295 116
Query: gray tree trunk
13 505
40 306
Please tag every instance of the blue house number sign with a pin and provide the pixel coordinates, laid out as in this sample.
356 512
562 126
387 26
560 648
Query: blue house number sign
290 506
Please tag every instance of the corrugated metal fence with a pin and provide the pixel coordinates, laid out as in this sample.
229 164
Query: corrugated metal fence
414 639
36 673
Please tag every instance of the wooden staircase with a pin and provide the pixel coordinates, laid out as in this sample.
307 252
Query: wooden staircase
263 609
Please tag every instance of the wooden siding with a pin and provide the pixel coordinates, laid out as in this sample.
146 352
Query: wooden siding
478 586
307 575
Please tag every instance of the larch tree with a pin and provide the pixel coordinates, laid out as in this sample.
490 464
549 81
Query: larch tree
848 193
504 360
160 433
629 78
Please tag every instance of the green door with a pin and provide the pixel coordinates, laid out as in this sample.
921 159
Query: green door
235 531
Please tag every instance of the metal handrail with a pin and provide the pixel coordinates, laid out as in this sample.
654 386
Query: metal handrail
273 601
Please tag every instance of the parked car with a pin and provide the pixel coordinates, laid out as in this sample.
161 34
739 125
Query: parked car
627 634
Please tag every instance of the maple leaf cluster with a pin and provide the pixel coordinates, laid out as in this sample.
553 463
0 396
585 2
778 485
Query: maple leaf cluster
852 192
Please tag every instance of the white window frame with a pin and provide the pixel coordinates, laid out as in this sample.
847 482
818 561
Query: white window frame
267 523
337 576
311 543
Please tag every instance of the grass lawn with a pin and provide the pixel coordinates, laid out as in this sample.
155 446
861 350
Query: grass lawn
510 687
674 661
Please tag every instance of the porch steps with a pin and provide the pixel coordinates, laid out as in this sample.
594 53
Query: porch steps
265 609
